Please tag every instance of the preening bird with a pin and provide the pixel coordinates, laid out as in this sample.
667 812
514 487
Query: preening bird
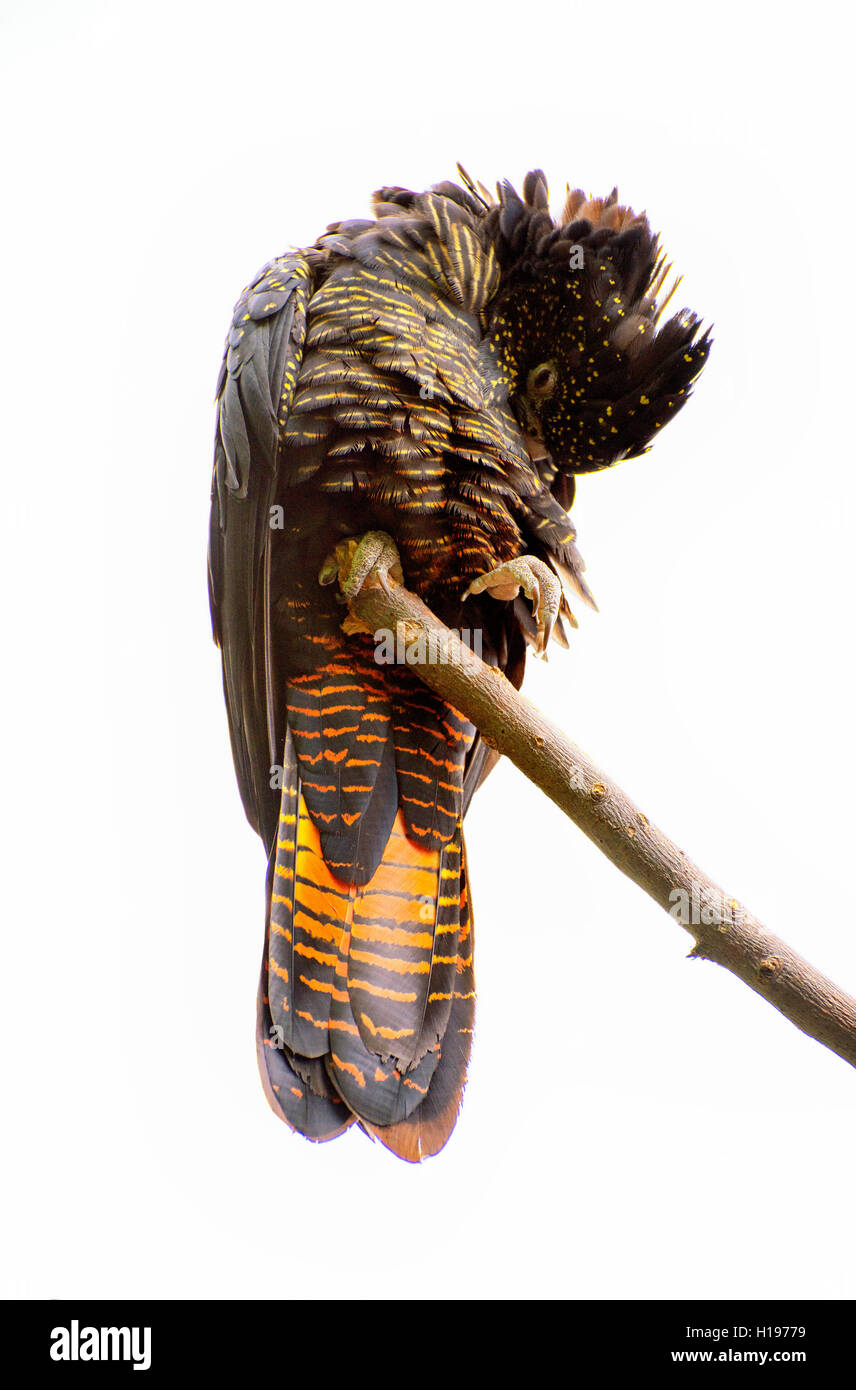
420 387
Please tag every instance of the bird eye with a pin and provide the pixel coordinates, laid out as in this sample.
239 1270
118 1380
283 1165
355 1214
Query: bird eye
542 380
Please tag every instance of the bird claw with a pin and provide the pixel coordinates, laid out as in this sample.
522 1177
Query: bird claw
354 559
538 582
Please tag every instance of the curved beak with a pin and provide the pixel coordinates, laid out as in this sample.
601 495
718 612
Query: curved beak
530 428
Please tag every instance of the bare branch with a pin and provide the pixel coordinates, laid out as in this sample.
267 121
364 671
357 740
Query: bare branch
724 931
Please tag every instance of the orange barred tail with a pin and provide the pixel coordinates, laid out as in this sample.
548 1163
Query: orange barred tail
367 994
423 1132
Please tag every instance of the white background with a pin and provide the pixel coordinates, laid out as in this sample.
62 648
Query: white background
636 1125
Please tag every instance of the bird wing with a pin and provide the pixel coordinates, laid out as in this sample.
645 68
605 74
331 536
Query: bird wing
264 349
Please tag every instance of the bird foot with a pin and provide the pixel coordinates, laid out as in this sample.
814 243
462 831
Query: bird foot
354 559
538 582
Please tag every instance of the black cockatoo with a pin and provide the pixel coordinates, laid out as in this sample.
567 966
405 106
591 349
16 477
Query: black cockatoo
437 374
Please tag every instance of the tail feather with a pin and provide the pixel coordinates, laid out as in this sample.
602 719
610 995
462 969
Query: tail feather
400 956
425 1132
366 1004
294 1087
317 1117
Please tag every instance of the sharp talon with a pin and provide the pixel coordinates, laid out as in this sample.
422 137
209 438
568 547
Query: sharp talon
540 585
354 559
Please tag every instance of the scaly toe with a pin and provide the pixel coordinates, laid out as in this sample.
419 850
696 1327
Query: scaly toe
540 585
354 558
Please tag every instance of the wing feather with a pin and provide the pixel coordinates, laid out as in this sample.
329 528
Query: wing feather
264 349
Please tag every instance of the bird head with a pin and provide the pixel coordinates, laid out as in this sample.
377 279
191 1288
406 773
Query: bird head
574 334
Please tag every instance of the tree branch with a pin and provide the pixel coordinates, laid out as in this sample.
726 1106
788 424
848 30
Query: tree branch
724 931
